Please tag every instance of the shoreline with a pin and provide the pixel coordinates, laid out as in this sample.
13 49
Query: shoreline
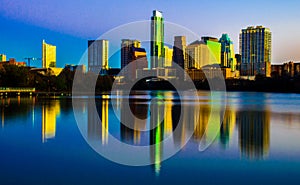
69 94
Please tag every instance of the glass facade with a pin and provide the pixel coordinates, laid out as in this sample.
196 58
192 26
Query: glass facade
98 55
157 40
227 53
255 48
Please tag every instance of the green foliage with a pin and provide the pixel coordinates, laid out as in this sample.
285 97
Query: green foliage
14 76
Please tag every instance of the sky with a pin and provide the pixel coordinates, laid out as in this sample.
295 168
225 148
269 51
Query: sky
68 24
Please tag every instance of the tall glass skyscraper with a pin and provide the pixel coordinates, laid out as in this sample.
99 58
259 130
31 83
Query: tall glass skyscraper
227 53
157 40
255 48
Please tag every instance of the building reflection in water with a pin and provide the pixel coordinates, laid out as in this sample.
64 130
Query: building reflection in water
130 129
254 133
5 102
228 126
208 121
98 119
253 126
157 122
50 111
3 105
168 122
33 109
9 107
201 121
161 109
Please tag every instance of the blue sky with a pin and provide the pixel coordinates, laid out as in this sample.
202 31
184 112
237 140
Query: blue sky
68 24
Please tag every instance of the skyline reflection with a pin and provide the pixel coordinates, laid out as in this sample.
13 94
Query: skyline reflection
50 110
253 126
245 126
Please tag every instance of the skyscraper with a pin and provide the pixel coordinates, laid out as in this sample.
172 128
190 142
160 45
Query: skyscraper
126 51
157 40
255 48
48 55
227 53
179 50
131 51
97 55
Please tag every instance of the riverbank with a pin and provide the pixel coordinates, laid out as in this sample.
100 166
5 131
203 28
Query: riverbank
261 85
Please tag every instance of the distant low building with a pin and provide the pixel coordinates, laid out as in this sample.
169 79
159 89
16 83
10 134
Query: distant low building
289 69
276 70
79 68
51 71
13 61
196 74
163 73
212 71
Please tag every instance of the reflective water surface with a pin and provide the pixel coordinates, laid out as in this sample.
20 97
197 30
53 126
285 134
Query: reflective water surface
257 142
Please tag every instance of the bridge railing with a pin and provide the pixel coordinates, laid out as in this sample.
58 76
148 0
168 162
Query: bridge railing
16 89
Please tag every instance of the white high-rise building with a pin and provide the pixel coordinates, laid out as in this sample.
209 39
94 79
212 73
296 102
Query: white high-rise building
97 55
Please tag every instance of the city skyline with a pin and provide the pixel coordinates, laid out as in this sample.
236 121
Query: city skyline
27 30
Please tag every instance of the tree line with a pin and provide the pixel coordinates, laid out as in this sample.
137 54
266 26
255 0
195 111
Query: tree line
16 76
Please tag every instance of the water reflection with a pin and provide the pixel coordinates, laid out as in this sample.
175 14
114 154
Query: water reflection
245 122
98 128
254 133
25 109
228 126
130 129
14 106
50 111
